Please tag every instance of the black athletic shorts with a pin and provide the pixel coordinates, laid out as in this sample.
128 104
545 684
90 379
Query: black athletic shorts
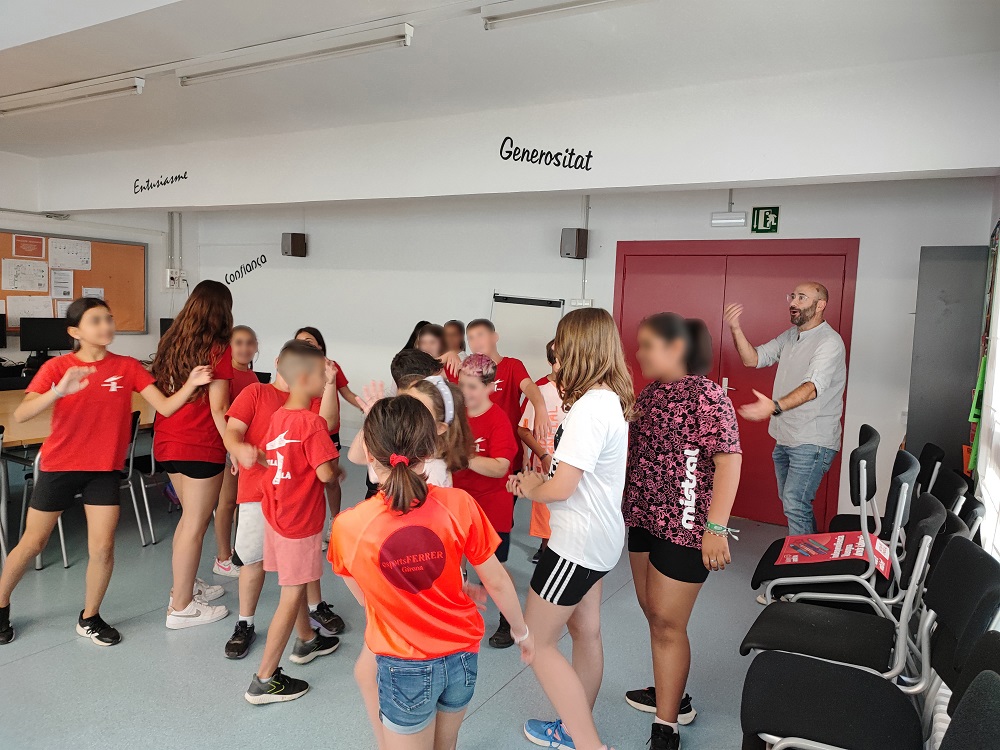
672 560
193 469
57 490
503 551
335 437
559 581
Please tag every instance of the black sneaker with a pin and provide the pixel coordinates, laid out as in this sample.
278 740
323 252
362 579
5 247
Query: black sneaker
239 644
326 620
663 737
97 630
6 629
502 638
645 700
321 645
278 689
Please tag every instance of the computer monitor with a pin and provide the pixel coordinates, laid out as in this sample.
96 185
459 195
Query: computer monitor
3 331
45 335
164 325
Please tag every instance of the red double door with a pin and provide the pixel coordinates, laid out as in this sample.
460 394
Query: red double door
697 279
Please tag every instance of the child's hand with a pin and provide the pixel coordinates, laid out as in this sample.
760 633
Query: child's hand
527 482
234 469
245 455
331 372
540 429
75 380
452 362
512 483
374 391
527 647
201 375
477 593
546 465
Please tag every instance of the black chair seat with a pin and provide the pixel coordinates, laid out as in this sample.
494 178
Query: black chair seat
850 522
839 635
788 695
768 570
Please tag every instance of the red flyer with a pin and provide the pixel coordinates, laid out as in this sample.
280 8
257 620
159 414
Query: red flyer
839 545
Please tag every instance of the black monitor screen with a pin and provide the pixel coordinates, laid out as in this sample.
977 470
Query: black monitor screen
164 325
44 335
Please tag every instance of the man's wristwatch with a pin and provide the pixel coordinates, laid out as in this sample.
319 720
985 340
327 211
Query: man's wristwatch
777 408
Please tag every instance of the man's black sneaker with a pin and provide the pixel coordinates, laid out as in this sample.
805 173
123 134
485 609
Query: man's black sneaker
278 689
6 629
239 644
645 700
326 620
502 638
663 737
97 630
321 645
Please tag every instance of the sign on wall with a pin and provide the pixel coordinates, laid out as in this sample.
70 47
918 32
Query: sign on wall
765 220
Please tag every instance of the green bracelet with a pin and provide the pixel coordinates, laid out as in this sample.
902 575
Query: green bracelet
719 530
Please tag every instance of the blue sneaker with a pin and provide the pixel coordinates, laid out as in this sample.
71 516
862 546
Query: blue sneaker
550 734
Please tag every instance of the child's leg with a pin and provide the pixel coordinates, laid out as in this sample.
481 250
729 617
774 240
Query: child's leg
588 650
669 604
37 530
314 592
556 675
303 629
251 584
280 629
102 520
198 497
224 516
446 727
366 675
422 740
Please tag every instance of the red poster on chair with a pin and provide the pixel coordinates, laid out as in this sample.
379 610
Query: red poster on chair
843 545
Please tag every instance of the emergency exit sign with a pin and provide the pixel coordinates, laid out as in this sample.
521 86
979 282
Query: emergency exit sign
765 220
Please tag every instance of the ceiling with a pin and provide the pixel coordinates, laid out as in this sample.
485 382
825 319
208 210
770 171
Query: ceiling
453 65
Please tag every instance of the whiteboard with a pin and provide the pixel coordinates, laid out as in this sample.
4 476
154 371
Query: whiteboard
525 326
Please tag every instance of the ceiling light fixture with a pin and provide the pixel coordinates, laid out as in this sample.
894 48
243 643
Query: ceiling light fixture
729 218
281 54
71 93
512 12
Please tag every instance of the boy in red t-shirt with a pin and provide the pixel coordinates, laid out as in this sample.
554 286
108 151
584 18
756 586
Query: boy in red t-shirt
491 462
299 455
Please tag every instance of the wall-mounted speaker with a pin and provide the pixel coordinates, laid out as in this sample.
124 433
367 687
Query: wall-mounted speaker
293 244
573 243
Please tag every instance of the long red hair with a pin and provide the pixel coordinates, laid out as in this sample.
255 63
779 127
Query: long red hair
198 335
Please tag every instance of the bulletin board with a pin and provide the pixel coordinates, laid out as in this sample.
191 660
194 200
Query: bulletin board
59 268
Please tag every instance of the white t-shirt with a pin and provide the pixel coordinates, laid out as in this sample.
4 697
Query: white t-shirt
587 527
435 471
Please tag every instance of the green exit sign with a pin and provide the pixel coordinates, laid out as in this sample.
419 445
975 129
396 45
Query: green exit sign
765 220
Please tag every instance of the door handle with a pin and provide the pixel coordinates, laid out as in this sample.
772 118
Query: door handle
725 385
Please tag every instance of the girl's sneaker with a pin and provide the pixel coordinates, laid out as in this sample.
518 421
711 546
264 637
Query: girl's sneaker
324 619
663 737
305 651
207 591
97 630
551 734
278 689
644 699
226 568
198 612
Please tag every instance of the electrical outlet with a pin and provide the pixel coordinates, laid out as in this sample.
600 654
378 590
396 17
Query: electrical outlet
175 278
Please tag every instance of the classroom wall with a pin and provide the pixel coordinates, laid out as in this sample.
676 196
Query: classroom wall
18 182
374 268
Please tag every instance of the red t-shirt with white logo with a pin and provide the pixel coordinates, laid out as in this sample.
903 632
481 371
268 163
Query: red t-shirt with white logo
254 407
507 394
190 433
409 566
91 429
493 438
298 442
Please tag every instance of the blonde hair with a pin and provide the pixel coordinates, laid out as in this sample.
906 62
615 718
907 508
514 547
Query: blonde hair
590 353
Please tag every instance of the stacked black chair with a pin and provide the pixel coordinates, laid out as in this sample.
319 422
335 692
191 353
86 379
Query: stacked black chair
862 472
931 458
950 488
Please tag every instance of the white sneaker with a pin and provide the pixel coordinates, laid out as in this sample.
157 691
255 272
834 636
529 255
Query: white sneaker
198 612
226 568
761 599
207 591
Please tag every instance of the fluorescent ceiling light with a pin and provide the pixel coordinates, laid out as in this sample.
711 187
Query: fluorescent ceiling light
729 218
272 55
511 12
61 96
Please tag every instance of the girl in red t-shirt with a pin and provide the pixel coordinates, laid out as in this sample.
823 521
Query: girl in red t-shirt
400 554
90 393
243 342
189 443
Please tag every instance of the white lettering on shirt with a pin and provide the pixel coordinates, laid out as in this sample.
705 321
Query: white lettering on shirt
688 485
280 442
497 387
112 384
479 445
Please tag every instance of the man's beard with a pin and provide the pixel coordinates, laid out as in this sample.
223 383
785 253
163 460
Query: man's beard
801 317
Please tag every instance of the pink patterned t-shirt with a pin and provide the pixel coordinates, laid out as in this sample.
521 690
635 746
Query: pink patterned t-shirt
679 428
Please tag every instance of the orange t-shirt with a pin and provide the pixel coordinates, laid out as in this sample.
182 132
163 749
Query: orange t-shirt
409 567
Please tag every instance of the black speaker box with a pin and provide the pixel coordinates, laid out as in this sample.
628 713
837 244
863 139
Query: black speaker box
293 244
573 243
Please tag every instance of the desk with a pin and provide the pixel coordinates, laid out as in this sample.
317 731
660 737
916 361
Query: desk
33 433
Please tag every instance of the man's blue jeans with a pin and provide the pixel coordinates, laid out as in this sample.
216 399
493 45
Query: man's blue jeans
799 470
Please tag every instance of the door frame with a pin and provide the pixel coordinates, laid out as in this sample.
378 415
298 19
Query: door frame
845 246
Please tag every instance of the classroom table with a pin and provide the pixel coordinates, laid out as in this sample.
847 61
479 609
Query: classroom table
32 433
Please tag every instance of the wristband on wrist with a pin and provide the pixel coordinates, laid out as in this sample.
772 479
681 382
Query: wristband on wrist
59 394
523 638
720 530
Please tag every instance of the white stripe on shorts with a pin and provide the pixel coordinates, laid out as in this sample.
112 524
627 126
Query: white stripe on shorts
558 579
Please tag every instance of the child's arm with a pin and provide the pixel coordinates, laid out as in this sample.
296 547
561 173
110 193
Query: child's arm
327 471
369 395
534 487
541 426
243 453
489 467
501 589
535 447
350 397
724 486
74 381
355 589
168 405
329 407
218 400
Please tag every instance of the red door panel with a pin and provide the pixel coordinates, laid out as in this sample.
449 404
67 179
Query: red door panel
691 285
760 283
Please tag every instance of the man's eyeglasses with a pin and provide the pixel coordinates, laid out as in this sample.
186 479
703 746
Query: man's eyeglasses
798 297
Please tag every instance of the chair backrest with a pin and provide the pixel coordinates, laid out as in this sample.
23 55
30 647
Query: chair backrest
904 477
927 517
867 451
949 488
976 721
963 590
985 656
972 513
953 526
931 458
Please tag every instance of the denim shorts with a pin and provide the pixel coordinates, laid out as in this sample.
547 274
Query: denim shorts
411 692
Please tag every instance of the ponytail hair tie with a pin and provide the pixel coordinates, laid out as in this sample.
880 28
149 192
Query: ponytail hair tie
395 459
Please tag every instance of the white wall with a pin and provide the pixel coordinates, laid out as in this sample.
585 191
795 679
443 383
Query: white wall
833 126
18 182
375 268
